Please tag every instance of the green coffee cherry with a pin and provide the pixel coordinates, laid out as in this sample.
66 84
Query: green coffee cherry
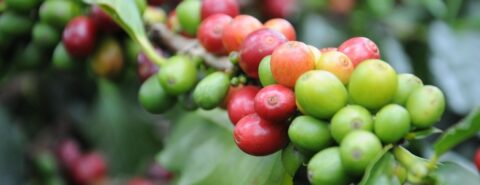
325 168
373 84
265 73
153 97
210 92
15 25
188 13
357 150
58 13
178 75
320 94
392 122
407 83
22 6
45 36
426 106
349 118
309 134
61 60
292 159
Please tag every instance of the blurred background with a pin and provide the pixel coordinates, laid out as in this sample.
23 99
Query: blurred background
54 111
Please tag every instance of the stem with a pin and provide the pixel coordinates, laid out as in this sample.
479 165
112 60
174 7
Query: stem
415 165
432 164
150 52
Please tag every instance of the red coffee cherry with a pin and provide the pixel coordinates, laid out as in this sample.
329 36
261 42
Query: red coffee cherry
259 137
241 103
140 181
257 45
211 7
359 49
477 159
237 30
155 2
210 33
282 26
275 103
89 168
279 8
68 153
79 36
102 20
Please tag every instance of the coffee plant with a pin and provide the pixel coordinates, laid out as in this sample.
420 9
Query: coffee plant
237 96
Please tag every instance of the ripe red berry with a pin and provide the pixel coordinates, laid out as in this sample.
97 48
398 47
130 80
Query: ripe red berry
211 7
139 181
359 49
103 21
155 2
257 45
210 33
237 30
231 91
477 159
89 169
275 103
259 137
241 103
289 61
68 153
279 8
282 26
79 36
145 67
159 173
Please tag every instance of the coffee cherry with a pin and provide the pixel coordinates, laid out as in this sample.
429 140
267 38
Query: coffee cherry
426 106
282 26
292 159
392 123
373 84
145 67
231 91
348 119
477 159
155 2
359 49
153 97
326 168
241 103
320 94
407 83
69 153
178 75
140 181
310 134
279 8
211 90
22 6
45 36
337 63
61 60
237 30
316 55
257 45
102 20
79 36
259 137
210 33
211 7
357 150
108 60
89 169
188 14
50 13
289 61
275 103
265 73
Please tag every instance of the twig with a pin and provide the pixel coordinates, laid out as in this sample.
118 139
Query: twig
190 47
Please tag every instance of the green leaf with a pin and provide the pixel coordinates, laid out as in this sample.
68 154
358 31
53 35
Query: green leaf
453 66
421 134
384 170
128 16
450 173
460 132
201 150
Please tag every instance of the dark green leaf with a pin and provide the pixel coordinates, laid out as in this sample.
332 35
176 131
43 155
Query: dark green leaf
383 170
450 173
421 134
460 132
201 149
